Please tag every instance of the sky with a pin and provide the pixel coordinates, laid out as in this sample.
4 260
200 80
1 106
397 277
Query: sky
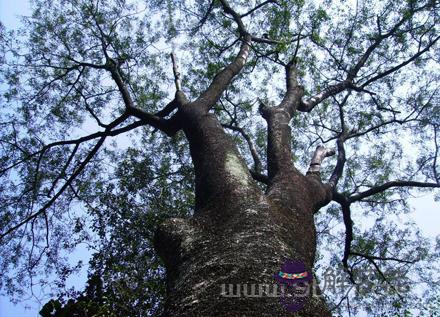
9 11
426 211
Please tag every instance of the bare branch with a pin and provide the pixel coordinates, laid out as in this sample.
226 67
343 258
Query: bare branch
48 204
342 299
379 39
402 64
380 188
78 171
63 171
225 48
90 110
205 17
434 163
372 259
85 64
330 53
341 159
366 256
308 105
176 72
264 40
251 145
77 141
262 4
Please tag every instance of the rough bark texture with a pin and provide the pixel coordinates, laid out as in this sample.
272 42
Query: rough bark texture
238 234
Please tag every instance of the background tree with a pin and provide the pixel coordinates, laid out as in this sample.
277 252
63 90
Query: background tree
226 158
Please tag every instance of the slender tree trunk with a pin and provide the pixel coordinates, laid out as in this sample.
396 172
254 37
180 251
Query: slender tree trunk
239 236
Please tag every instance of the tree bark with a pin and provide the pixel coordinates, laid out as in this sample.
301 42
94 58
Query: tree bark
238 235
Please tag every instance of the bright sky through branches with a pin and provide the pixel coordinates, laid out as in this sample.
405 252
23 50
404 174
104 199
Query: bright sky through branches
426 215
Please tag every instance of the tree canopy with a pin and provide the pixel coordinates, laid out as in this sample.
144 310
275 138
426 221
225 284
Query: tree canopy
91 153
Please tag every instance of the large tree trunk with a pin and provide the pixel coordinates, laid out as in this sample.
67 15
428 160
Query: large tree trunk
239 235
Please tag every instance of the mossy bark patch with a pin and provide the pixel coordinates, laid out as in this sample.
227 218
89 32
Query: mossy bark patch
235 168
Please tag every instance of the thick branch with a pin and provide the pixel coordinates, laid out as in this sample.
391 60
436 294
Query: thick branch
320 154
307 105
348 223
167 126
170 107
339 168
221 81
293 90
237 18
259 177
279 154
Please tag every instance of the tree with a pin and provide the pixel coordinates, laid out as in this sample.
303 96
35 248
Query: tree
262 83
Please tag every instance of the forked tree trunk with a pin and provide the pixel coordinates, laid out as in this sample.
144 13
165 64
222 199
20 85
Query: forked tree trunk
239 236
